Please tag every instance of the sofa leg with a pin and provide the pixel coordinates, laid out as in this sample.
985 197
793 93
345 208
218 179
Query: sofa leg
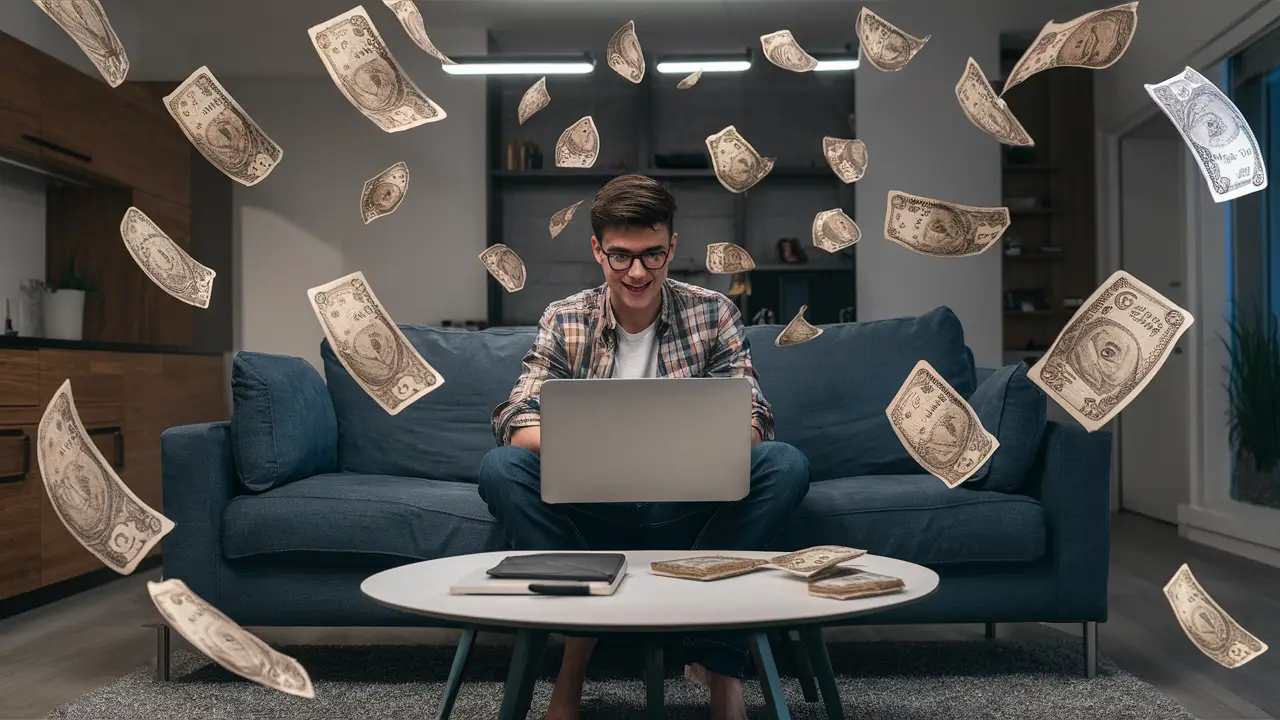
1091 650
162 652
991 631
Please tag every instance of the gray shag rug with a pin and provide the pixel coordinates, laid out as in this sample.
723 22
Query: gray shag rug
879 680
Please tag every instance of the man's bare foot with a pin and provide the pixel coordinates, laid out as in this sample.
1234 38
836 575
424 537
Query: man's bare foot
726 697
566 697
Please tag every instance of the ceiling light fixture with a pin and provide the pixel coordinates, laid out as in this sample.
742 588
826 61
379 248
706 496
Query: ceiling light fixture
571 64
685 64
836 62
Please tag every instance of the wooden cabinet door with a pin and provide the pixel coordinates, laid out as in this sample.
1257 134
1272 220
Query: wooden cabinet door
97 377
19 378
19 97
20 493
61 555
122 134
164 319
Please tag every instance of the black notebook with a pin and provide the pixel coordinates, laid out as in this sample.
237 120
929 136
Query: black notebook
570 566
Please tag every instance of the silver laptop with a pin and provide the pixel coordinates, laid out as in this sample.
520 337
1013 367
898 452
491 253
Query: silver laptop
646 440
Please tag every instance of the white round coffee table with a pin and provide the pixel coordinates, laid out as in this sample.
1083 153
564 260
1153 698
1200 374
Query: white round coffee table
643 603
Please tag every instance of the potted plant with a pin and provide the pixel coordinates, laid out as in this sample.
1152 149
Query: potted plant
1253 387
64 307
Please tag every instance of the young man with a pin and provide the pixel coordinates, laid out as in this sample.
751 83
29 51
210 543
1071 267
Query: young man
639 324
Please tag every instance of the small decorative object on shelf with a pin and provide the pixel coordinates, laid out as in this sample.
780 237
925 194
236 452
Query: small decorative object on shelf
790 252
8 321
740 284
1012 246
845 315
764 317
1072 302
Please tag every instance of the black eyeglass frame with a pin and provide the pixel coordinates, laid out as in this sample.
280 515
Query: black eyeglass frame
631 259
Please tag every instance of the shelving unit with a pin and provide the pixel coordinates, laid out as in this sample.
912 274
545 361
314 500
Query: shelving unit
1056 107
783 115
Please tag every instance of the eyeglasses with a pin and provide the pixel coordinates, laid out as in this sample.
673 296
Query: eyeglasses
621 262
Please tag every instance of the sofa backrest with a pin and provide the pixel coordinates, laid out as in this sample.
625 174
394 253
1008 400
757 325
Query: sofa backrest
828 396
444 435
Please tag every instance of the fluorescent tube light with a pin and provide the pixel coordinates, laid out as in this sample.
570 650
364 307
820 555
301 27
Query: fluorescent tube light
834 64
581 64
712 62
688 66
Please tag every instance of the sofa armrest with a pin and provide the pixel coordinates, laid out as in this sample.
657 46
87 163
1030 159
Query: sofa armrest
1072 479
199 480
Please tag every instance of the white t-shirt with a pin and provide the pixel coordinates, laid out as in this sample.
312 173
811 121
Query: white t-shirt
637 355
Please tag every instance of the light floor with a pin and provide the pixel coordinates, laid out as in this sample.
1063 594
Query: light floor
55 653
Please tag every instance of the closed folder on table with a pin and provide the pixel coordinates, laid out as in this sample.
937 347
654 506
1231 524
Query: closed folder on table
548 574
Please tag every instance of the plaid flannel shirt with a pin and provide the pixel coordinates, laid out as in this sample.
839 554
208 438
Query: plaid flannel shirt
700 335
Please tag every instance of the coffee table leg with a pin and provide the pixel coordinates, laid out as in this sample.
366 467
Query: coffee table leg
770 684
811 636
800 660
460 657
525 661
654 677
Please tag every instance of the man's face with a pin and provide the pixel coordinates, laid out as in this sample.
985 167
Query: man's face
637 286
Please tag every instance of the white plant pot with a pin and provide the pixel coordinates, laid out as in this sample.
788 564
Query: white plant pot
64 314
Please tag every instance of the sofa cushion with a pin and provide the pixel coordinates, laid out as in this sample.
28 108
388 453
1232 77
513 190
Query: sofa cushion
829 395
444 434
282 427
1012 408
361 515
916 518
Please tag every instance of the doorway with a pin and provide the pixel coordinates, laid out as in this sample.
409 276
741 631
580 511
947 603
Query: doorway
1153 432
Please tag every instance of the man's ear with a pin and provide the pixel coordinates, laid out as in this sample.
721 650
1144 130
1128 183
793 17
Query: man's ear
596 250
674 238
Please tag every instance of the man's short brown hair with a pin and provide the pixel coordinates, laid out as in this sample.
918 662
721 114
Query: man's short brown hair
632 201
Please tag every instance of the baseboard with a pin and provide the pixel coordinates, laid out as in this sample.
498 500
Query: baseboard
60 590
1252 551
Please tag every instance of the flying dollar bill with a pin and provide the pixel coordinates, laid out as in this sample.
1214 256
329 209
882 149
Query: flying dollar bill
690 80
561 219
885 46
164 261
737 164
505 266
411 19
383 193
533 100
223 641
986 110
781 49
98 509
1207 625
938 428
368 75
1212 126
834 231
942 229
86 22
1110 349
847 158
221 130
797 331
727 259
579 145
624 54
1094 40
369 345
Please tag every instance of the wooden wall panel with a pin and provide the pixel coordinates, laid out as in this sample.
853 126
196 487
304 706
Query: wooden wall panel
19 502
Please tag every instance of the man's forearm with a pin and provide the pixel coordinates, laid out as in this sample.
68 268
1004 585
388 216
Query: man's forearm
528 437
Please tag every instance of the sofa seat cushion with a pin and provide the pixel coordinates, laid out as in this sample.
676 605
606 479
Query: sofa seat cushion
916 518
361 515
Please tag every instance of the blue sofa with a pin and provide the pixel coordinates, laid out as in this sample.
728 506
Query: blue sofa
311 487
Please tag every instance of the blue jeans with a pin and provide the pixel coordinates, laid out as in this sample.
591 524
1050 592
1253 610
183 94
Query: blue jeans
510 483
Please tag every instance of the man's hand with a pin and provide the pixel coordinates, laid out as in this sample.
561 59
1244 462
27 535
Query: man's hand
529 437
755 436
